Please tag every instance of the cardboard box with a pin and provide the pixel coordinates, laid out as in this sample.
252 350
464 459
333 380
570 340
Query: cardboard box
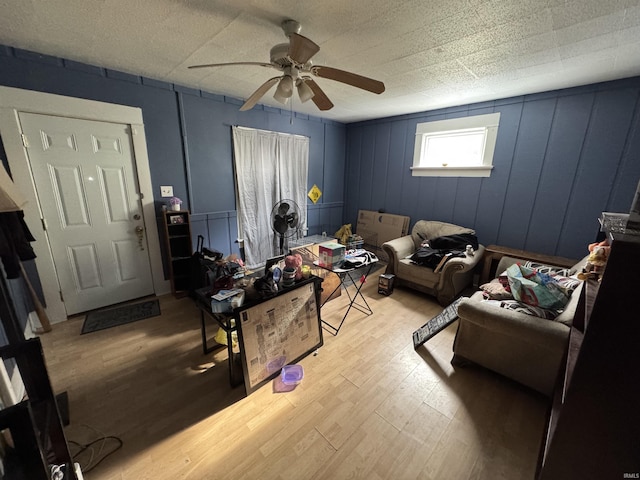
376 228
228 304
330 254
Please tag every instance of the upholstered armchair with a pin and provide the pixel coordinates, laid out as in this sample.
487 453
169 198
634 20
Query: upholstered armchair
446 284
523 347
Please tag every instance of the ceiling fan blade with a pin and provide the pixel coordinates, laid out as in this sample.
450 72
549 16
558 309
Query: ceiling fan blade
301 49
319 98
349 78
207 65
257 95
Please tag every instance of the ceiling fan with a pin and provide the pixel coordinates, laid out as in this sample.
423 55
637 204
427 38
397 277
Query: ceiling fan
293 59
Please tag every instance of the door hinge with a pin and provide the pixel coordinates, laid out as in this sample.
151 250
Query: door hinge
61 297
25 141
44 224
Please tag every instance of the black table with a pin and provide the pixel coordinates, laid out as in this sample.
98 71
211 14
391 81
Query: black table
230 323
226 321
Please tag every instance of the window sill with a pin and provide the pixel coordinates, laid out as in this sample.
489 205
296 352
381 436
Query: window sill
478 171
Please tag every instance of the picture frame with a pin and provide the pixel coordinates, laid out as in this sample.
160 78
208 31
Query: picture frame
279 331
176 219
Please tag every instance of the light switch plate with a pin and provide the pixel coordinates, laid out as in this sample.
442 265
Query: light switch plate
166 191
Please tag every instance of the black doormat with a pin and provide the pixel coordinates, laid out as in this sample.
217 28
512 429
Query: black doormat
119 316
437 323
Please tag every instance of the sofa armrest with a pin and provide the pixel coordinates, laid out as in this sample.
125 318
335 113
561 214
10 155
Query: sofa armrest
397 249
459 265
512 323
456 275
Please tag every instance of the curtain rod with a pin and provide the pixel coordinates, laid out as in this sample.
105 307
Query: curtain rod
267 131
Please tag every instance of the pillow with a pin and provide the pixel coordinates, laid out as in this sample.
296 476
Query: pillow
495 290
568 283
550 269
521 307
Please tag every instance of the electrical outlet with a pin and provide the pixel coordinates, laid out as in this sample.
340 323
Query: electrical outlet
166 191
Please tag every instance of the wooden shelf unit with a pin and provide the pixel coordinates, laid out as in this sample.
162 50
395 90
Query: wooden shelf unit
179 247
593 424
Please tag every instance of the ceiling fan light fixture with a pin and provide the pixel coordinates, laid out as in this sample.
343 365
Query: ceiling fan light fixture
286 86
304 91
280 98
284 90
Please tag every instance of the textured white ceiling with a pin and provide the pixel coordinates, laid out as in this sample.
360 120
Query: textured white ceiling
429 53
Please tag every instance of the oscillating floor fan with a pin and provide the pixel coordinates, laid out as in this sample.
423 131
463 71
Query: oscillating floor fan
285 221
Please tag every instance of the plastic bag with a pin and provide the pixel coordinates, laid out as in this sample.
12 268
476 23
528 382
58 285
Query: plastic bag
535 288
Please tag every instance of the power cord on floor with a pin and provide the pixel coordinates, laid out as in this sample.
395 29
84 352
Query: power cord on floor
92 462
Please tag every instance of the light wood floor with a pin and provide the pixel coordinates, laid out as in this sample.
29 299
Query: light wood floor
369 407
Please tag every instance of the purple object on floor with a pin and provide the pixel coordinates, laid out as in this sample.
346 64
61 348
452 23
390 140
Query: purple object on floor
276 364
292 374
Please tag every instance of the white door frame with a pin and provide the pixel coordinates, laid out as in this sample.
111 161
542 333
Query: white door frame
14 100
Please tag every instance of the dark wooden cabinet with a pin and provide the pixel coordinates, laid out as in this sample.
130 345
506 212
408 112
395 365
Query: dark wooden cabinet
35 424
177 233
594 423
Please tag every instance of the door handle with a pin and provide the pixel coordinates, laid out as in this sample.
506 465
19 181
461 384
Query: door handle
140 234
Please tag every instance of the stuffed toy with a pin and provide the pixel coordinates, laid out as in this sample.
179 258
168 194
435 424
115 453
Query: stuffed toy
596 262
604 244
344 233
294 261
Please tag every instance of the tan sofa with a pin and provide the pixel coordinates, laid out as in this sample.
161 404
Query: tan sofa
446 285
522 347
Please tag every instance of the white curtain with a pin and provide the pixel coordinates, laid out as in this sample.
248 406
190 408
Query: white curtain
270 167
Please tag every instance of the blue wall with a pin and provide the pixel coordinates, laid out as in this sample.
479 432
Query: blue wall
561 159
189 138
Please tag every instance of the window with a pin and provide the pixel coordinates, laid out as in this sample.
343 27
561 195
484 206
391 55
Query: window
460 147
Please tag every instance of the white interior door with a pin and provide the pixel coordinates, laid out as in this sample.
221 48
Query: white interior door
87 189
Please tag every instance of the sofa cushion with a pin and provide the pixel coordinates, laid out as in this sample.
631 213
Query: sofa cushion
411 272
546 313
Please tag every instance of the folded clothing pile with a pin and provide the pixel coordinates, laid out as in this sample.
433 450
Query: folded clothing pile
358 258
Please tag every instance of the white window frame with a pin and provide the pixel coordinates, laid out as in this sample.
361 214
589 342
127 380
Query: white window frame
488 124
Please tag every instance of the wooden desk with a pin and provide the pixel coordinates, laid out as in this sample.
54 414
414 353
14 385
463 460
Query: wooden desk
493 253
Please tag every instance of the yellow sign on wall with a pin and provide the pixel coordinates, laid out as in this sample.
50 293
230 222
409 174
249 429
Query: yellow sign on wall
315 193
